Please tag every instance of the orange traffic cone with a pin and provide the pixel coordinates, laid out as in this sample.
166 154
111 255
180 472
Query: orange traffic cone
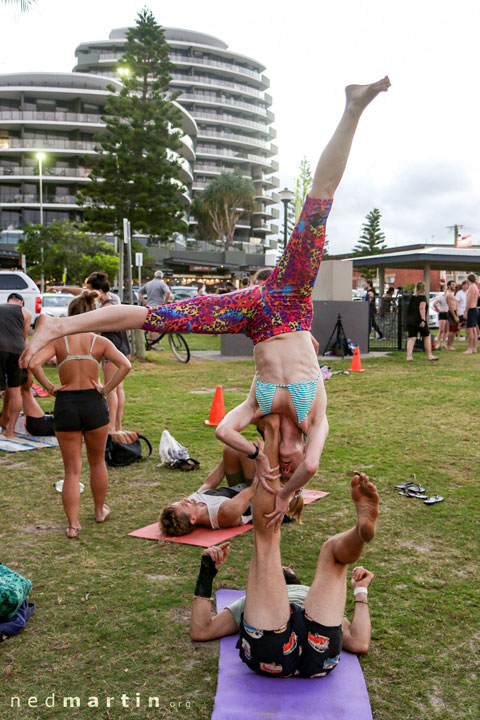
356 363
217 412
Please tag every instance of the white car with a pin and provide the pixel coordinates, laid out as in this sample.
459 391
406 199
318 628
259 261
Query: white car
17 281
432 313
182 292
56 304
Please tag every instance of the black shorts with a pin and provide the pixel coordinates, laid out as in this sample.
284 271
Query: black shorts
41 426
472 317
301 647
11 374
414 330
443 315
80 410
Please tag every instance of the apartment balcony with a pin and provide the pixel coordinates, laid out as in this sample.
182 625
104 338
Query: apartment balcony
241 157
195 80
214 169
229 68
22 200
267 198
267 182
227 102
235 139
67 146
265 215
49 173
232 120
18 118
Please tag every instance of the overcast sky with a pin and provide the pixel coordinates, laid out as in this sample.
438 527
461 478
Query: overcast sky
416 154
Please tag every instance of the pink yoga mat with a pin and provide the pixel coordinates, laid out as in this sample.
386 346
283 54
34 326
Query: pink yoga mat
204 537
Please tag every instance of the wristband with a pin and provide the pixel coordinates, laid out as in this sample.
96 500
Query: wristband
359 590
207 572
254 454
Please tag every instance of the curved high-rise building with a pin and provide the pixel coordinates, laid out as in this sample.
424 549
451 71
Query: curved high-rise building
56 115
225 93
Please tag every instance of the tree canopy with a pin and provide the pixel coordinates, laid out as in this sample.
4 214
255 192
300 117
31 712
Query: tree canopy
221 205
303 182
136 174
66 246
372 239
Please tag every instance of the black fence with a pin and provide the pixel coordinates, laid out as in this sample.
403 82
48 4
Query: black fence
390 321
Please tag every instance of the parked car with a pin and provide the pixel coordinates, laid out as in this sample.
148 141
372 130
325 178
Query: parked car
181 292
56 304
18 281
432 313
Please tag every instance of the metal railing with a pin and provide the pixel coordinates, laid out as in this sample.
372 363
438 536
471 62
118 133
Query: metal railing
45 143
202 114
32 171
205 80
34 199
192 97
192 60
57 116
233 137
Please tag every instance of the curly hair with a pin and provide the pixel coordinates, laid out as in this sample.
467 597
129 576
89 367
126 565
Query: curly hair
172 524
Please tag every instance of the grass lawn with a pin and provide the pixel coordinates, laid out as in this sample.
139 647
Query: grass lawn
112 611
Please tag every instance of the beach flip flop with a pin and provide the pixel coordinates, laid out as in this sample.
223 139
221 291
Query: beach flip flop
413 487
434 499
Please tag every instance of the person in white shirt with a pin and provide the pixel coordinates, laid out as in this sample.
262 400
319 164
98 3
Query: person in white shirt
461 298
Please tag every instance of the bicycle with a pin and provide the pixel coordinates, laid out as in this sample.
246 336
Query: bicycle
178 345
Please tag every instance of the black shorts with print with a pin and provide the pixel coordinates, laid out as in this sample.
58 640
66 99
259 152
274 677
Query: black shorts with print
301 647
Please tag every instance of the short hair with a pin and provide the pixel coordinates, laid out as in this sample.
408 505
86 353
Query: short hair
450 282
83 303
472 278
420 286
262 275
390 290
99 281
16 296
245 282
158 274
172 524
229 283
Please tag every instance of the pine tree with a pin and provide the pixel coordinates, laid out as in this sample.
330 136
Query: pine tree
136 173
372 239
303 182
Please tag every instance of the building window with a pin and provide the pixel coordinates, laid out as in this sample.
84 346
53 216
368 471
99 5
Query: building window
9 219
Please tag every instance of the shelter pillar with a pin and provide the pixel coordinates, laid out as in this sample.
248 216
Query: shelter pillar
381 280
426 279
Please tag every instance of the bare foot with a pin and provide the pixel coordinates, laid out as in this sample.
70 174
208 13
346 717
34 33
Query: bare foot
365 497
359 96
44 333
102 516
468 352
72 531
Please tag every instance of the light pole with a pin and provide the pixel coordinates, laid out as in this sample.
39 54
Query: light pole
41 157
286 196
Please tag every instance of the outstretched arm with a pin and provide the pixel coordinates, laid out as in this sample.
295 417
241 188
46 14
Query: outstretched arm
214 478
231 511
357 634
203 626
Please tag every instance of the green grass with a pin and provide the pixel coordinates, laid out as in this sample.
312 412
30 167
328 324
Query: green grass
112 611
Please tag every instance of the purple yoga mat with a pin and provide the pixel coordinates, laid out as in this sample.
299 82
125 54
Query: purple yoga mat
241 693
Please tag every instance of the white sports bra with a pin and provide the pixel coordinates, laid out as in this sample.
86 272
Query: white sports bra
79 357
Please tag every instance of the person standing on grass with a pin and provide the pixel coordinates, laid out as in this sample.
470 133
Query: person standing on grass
370 297
453 319
472 315
276 315
15 322
156 292
417 316
441 306
461 298
81 410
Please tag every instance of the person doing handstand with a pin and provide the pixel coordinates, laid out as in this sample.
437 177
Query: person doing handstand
276 315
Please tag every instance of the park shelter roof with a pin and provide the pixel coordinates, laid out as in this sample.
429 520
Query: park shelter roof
437 258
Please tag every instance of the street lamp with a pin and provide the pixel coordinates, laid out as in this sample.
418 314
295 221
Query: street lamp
41 157
286 196
123 71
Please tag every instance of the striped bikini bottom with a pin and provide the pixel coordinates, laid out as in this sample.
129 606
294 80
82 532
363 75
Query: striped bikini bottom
302 394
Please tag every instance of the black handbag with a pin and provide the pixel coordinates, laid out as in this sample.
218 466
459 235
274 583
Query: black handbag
118 454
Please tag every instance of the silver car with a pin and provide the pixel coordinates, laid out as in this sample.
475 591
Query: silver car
56 304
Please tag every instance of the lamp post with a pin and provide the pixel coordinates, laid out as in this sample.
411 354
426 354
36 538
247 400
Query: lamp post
41 157
286 196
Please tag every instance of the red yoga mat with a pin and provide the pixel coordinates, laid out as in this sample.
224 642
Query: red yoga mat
205 537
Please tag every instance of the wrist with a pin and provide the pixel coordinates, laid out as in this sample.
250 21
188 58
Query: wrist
256 454
360 595
203 588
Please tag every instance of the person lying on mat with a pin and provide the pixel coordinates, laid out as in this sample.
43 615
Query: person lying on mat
276 315
224 507
203 627
36 421
282 636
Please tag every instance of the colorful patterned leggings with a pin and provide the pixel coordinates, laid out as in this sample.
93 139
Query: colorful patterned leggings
279 305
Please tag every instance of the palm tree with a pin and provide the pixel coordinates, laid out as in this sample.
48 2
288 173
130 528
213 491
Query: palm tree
25 5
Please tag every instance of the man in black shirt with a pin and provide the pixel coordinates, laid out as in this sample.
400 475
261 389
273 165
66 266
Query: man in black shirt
15 322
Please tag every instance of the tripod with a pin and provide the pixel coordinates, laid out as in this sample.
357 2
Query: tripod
340 345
